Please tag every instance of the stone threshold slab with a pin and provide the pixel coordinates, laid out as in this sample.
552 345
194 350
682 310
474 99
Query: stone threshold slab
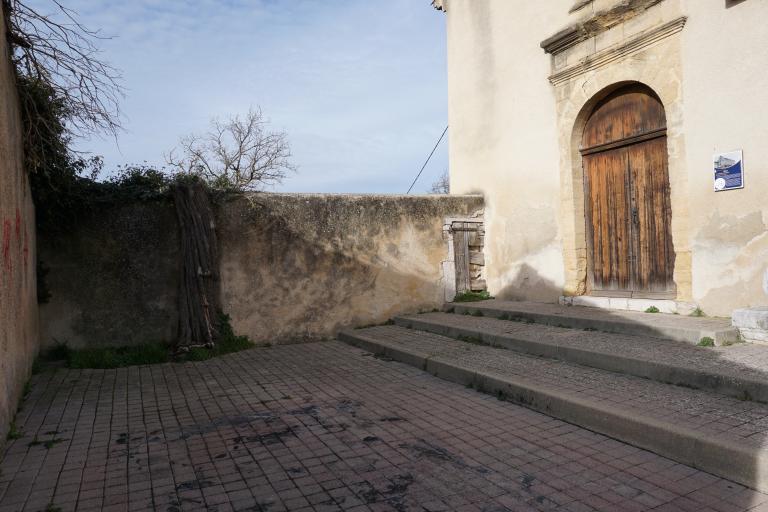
657 325
678 363
721 435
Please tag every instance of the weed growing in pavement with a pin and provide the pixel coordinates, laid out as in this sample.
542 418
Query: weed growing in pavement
472 296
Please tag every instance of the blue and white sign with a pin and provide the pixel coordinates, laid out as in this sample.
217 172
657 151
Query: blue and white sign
729 170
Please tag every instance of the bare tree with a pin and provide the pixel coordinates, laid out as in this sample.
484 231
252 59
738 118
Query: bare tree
236 154
57 51
442 185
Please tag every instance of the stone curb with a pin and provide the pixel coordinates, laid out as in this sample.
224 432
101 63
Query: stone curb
720 457
728 385
613 325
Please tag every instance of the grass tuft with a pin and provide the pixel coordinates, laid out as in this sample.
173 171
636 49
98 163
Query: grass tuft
52 442
14 432
474 340
706 341
698 312
104 358
472 296
228 343
652 309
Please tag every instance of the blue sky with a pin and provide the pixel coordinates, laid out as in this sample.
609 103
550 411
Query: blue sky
358 85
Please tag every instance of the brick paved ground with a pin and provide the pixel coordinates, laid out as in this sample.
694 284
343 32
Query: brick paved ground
707 413
321 427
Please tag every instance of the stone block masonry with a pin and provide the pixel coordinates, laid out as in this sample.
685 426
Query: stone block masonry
294 267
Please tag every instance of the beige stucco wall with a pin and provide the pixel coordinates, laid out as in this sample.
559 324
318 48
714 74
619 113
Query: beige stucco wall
514 136
294 267
18 299
725 91
299 267
503 137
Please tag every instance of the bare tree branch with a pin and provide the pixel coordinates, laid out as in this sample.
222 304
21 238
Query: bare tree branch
57 50
236 154
442 185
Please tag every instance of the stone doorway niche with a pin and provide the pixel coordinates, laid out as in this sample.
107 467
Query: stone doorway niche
575 106
464 269
591 60
626 188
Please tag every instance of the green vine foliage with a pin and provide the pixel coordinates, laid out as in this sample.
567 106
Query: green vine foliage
65 185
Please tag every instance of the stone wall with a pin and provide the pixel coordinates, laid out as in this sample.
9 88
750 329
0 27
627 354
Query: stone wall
18 297
294 267
113 277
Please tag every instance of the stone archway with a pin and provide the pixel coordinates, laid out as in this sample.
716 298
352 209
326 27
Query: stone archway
575 105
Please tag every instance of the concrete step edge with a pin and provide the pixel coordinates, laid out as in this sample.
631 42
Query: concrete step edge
741 388
721 457
614 325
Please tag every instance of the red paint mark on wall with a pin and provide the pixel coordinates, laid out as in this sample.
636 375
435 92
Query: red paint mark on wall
7 246
25 250
18 225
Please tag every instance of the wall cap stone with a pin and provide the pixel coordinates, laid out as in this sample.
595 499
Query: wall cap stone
625 49
436 197
595 24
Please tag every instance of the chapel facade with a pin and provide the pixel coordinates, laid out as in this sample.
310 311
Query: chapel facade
621 146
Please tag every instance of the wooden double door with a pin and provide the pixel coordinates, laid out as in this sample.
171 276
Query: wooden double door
628 210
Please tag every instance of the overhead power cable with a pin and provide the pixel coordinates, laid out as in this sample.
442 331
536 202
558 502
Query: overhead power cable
428 159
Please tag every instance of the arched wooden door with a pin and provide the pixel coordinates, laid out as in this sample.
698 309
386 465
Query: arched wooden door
628 211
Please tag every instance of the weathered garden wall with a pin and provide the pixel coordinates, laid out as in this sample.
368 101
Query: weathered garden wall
293 266
301 266
18 299
112 277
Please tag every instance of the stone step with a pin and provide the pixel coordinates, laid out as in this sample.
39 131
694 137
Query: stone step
722 435
740 371
657 325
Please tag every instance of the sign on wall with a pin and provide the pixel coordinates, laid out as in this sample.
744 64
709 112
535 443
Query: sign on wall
729 170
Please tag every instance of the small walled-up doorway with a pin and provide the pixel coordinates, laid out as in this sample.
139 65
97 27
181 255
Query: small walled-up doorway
627 196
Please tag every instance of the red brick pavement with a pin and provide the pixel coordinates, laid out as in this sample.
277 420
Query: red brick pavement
320 427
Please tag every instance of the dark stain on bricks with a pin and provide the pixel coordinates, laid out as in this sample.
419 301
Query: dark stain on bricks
527 481
309 410
349 406
425 449
192 485
370 439
392 419
430 451
366 492
269 438
394 494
